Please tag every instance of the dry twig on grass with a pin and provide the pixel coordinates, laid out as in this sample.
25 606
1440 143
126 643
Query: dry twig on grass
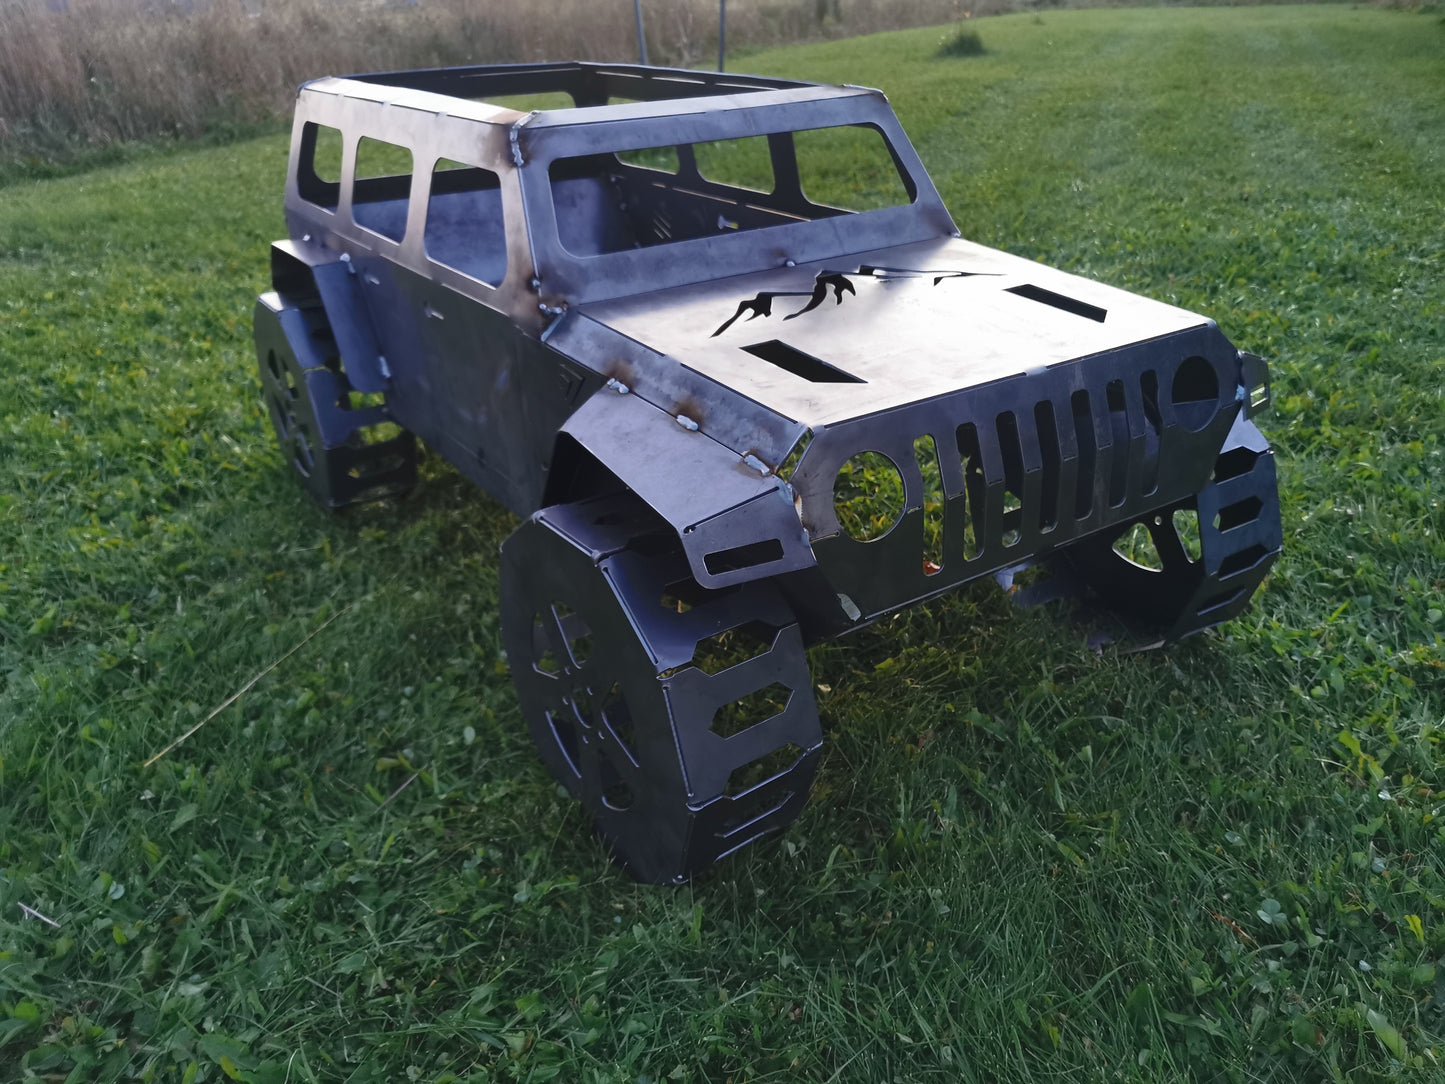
31 912
244 689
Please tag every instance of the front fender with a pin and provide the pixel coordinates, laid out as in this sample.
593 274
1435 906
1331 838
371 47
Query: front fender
735 523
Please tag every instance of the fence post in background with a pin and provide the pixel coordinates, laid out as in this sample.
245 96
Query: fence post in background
722 33
641 37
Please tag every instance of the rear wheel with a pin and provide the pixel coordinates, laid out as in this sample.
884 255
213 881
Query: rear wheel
343 451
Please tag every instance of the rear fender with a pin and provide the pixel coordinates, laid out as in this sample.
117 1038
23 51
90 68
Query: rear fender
306 275
735 522
281 328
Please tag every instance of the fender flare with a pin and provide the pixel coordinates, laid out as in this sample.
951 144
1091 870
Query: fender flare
309 275
735 522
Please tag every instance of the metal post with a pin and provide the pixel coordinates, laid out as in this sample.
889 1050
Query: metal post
722 32
641 37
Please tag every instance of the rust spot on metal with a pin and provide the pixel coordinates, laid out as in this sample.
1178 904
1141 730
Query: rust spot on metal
620 370
690 407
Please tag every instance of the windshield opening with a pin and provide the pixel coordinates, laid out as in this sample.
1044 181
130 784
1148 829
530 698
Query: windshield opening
612 202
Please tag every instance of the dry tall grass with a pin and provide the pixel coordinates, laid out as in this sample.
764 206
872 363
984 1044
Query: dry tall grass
100 71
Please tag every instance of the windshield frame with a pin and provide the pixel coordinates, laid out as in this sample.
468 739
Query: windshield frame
560 134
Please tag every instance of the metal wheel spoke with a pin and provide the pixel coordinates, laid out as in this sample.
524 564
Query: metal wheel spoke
550 693
1166 541
556 638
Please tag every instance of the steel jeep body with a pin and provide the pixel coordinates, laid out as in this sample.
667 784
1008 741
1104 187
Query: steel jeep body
667 376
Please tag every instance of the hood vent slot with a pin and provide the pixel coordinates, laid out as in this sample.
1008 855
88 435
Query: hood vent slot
792 360
1059 301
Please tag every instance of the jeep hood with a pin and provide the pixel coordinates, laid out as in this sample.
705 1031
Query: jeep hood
820 343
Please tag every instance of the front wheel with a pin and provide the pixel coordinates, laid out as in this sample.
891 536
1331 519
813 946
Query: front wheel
1206 563
682 719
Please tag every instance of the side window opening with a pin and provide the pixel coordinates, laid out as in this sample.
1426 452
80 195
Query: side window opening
590 197
660 159
381 189
851 168
464 226
737 163
318 172
657 195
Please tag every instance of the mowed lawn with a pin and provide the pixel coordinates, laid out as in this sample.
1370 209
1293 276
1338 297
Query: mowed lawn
1024 860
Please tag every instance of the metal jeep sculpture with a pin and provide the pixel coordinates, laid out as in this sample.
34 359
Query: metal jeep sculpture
647 324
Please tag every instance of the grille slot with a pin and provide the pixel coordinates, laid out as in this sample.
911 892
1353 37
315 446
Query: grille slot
976 490
1119 450
1052 455
1010 450
925 453
1153 425
1088 453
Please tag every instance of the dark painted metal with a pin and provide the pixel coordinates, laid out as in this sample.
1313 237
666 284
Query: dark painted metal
622 717
664 375
336 447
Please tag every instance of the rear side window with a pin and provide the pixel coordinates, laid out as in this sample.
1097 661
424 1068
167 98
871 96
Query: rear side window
381 190
464 226
318 173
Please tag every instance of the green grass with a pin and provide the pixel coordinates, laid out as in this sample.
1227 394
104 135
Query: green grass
1023 860
963 41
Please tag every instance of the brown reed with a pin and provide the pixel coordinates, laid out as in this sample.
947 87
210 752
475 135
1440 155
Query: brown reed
88 73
